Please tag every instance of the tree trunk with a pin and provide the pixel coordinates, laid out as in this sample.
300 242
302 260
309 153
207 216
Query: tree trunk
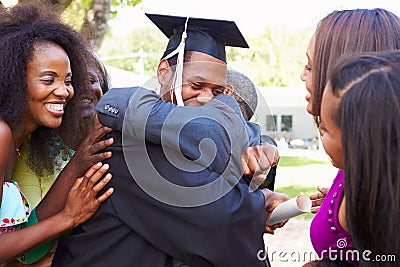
57 5
95 25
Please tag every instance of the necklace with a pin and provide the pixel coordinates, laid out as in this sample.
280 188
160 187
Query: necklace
16 147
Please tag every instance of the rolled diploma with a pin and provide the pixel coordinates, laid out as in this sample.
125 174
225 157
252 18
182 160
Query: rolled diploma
290 208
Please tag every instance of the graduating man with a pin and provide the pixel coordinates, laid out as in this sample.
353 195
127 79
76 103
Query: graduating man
179 199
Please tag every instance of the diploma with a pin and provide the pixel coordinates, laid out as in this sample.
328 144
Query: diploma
290 208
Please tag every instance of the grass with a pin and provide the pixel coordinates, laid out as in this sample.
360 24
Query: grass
293 191
289 161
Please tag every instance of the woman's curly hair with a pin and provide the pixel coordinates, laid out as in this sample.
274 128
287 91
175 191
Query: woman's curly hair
21 27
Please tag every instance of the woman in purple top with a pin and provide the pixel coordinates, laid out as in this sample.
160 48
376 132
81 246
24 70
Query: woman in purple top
339 34
366 145
329 238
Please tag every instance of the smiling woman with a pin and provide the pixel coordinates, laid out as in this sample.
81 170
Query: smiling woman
49 80
36 90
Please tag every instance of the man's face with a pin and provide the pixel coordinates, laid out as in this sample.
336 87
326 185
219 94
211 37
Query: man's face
203 78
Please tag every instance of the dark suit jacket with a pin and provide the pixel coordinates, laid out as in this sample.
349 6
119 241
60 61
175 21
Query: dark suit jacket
142 226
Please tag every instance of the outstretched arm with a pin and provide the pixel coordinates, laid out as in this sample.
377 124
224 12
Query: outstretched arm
147 118
80 206
6 154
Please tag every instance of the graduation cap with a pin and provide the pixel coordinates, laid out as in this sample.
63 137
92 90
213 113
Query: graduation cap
208 36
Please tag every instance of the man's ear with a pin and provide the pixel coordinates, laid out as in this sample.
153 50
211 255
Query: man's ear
163 72
228 90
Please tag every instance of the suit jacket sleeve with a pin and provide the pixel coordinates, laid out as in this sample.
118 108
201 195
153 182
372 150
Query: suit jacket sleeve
227 231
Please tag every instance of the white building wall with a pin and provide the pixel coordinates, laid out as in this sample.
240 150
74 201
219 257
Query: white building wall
280 101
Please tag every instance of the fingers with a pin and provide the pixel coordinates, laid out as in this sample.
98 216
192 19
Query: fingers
77 183
105 195
94 178
92 185
258 160
95 135
250 161
316 202
82 200
99 146
99 132
253 165
89 173
315 211
100 185
271 153
244 160
316 196
269 230
269 156
274 199
323 190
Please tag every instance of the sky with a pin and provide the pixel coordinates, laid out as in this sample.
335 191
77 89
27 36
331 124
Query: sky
251 16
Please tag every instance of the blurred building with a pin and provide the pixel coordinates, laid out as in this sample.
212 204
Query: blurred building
281 113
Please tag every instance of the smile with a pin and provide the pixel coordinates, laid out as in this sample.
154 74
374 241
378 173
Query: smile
55 107
87 101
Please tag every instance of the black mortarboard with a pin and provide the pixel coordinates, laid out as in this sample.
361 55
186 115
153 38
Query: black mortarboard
208 36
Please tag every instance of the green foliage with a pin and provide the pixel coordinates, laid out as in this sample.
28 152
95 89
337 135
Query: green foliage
150 41
76 11
116 4
276 58
289 161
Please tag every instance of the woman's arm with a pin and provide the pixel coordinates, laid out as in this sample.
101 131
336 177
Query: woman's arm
80 206
87 154
6 154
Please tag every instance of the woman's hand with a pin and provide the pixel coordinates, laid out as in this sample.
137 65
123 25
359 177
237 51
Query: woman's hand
89 151
87 154
82 201
318 198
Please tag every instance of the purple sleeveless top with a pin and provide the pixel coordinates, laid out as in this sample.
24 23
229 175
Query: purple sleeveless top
327 236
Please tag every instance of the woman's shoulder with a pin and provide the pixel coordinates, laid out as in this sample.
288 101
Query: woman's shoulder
5 129
6 136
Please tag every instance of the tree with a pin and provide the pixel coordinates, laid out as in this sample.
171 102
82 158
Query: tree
138 51
275 58
93 15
